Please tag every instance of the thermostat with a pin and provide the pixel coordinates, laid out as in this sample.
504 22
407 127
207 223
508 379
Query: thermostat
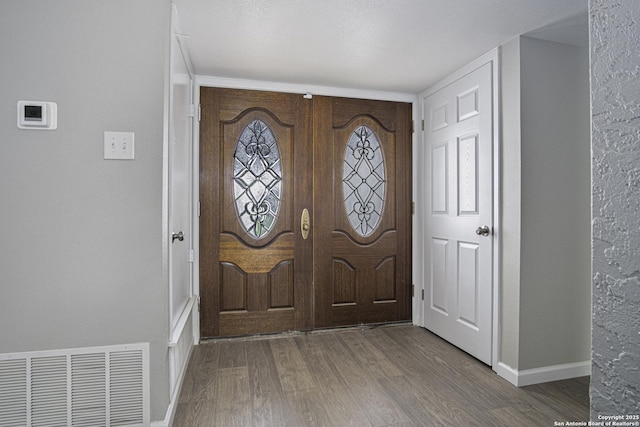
37 115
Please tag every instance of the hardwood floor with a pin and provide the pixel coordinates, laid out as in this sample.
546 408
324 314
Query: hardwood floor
396 375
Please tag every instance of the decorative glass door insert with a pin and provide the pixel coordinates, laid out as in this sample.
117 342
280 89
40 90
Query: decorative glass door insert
364 180
257 178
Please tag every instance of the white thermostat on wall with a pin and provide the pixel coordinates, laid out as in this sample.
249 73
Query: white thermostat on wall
37 115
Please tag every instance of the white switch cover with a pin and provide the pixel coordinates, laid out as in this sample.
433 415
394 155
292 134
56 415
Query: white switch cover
118 145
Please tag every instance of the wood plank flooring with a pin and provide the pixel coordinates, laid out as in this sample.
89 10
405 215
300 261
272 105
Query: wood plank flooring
395 375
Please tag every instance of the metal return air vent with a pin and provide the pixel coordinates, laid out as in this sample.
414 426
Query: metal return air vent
87 387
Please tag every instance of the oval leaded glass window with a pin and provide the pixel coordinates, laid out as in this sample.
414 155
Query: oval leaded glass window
257 179
363 180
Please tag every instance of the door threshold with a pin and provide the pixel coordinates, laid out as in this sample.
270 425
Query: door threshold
256 337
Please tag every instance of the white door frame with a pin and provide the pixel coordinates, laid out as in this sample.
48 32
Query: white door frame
303 90
421 202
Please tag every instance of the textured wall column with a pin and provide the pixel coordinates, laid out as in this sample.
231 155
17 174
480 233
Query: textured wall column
615 89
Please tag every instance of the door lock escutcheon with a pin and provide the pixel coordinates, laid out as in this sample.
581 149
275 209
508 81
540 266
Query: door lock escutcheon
305 223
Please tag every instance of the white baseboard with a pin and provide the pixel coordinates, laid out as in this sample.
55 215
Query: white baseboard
167 419
544 374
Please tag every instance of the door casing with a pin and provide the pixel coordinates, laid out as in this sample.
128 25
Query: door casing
306 90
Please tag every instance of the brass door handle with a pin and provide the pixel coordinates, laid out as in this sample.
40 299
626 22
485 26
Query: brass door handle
305 224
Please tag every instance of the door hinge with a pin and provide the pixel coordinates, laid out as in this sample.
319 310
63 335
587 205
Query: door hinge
413 126
413 208
423 295
198 208
195 109
190 255
413 290
422 124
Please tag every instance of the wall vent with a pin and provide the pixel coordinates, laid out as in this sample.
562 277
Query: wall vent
86 387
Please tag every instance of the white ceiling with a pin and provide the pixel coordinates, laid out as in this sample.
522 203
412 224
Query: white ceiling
384 45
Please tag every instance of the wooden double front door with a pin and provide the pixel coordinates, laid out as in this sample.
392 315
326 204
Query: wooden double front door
305 212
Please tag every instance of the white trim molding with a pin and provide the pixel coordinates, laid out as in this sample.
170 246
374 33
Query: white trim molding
309 90
543 374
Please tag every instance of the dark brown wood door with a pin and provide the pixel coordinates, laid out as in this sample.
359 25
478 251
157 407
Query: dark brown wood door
362 211
255 163
265 158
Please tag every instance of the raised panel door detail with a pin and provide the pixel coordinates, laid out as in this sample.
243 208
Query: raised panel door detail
439 179
364 180
439 118
385 273
468 104
233 292
257 178
468 284
281 285
344 283
439 275
468 175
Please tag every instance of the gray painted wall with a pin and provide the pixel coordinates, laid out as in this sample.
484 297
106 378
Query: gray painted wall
510 210
545 204
555 284
81 260
615 97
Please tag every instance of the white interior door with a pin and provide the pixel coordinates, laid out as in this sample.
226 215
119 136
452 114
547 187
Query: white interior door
458 251
180 186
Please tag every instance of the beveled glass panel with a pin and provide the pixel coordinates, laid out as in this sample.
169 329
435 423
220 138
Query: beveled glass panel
363 180
257 179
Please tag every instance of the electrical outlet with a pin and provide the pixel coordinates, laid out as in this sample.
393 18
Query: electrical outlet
119 145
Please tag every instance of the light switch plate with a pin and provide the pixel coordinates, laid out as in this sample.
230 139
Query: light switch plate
119 145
